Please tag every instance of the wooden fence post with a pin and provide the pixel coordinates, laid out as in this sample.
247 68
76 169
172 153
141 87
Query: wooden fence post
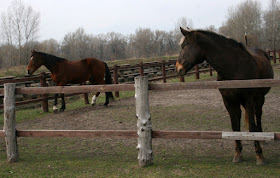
274 56
10 122
141 69
182 78
144 123
163 71
116 79
43 83
86 97
196 71
279 55
210 70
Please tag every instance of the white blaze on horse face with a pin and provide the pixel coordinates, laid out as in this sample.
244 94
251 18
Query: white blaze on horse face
182 40
31 58
93 100
55 108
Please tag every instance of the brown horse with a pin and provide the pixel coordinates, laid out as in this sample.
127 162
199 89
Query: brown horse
232 61
65 72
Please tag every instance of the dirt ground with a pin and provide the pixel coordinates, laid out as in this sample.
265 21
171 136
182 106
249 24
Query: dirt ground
100 117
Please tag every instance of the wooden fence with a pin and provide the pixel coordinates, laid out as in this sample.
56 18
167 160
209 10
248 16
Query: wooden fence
273 56
144 131
121 74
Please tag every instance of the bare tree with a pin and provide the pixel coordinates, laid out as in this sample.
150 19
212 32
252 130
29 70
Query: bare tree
245 17
117 46
272 25
20 26
184 22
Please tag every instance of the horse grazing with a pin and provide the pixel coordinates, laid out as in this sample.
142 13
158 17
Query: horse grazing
65 72
232 61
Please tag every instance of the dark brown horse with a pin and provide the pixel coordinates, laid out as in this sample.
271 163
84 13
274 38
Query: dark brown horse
65 72
232 61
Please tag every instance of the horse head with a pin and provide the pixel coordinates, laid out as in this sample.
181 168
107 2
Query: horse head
191 52
35 62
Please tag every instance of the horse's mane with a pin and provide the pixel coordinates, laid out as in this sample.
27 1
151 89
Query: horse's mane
50 60
223 40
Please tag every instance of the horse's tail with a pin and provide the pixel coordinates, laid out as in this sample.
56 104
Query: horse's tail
108 80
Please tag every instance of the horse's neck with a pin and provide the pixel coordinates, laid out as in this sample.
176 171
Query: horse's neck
226 60
50 63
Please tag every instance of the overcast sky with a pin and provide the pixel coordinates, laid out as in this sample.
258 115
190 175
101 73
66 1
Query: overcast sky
59 17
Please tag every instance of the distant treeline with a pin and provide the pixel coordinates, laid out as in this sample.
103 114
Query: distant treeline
20 31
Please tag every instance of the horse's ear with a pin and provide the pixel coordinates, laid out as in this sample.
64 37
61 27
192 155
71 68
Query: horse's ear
33 51
185 31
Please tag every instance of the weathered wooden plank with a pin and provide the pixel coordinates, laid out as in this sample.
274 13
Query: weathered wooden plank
78 133
187 134
127 134
216 84
248 135
20 80
75 89
152 86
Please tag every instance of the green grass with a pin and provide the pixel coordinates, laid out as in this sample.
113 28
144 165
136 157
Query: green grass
97 158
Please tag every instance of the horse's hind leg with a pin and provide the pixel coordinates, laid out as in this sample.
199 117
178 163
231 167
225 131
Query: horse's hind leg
55 108
258 111
94 98
254 107
107 98
62 103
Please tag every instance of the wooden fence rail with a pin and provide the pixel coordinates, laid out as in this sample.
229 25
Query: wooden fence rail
155 134
152 86
144 131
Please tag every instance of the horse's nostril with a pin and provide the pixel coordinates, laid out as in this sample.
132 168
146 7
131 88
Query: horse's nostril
180 70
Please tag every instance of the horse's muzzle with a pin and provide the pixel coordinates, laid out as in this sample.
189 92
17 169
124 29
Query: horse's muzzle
180 69
29 73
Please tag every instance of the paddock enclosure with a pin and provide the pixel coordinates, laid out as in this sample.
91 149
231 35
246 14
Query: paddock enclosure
144 131
164 115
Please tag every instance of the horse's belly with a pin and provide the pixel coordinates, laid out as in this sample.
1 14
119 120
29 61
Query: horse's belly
78 79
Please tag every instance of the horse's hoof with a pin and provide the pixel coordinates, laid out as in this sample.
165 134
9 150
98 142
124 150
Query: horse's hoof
260 160
106 105
92 104
237 159
55 111
61 110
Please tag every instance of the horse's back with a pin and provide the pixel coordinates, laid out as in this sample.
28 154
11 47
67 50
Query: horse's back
265 70
97 68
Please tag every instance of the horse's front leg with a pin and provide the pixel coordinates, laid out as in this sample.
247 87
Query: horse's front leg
55 108
94 98
233 108
63 106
